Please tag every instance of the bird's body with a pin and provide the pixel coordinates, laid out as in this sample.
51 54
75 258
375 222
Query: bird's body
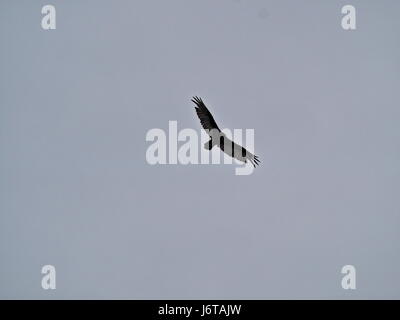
218 138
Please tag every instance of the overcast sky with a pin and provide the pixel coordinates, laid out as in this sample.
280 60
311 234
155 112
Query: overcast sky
76 191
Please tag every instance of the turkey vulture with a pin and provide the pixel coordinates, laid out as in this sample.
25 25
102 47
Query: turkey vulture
218 138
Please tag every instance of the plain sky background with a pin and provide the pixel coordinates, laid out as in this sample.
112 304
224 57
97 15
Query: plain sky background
76 191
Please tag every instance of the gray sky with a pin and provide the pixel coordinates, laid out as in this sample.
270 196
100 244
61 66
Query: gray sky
76 191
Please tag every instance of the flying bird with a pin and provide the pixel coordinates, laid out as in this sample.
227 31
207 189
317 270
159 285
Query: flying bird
218 138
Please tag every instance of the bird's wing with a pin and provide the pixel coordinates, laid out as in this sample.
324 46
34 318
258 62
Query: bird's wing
206 119
242 154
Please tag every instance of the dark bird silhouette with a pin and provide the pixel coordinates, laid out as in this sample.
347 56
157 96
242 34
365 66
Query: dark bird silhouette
218 138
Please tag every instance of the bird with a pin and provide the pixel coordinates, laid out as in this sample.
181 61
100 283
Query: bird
218 138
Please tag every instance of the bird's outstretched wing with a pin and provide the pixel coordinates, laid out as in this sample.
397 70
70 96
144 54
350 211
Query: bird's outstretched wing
238 152
206 119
